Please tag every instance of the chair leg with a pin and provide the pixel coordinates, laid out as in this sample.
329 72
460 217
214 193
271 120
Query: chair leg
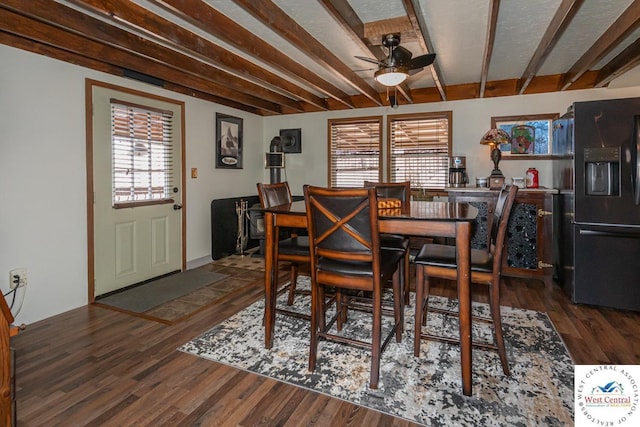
345 308
497 325
376 341
340 320
316 308
425 295
292 286
398 305
419 307
323 309
405 278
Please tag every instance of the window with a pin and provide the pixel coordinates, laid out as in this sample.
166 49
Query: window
142 146
419 147
354 151
535 127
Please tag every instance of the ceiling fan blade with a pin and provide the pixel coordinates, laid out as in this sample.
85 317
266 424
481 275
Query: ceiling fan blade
422 61
400 56
373 61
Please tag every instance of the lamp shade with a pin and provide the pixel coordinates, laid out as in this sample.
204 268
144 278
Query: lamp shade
495 137
391 76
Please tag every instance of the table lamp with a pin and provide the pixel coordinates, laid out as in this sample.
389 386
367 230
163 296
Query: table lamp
495 137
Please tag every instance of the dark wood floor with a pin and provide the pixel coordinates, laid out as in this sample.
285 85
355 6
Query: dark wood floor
93 366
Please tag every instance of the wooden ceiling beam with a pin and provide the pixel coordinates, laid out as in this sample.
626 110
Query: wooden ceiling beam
559 23
412 7
271 15
40 32
213 22
376 30
498 88
100 32
93 64
625 61
128 13
626 23
494 9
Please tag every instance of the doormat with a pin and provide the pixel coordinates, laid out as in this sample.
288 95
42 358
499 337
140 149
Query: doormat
172 297
425 390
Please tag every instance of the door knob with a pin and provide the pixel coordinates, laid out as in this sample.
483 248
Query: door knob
177 207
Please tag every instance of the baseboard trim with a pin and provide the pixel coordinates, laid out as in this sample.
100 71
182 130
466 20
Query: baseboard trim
198 262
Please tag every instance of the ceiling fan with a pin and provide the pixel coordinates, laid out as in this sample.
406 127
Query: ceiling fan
398 64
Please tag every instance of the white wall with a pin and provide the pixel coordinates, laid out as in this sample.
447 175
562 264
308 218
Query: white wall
43 220
471 119
43 223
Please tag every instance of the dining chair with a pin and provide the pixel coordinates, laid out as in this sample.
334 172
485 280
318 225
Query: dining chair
437 260
394 198
345 258
293 249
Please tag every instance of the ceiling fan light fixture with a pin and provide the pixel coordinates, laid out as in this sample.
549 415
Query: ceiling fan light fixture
391 76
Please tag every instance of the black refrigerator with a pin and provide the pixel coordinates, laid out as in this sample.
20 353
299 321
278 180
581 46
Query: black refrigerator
600 199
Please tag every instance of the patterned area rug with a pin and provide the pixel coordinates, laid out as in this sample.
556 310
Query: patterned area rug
426 390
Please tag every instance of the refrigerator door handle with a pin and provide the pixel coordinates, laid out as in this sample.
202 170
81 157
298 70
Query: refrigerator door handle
609 234
635 181
635 185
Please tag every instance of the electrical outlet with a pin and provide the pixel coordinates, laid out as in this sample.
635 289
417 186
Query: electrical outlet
17 277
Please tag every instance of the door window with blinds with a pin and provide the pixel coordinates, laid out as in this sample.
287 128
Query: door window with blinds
355 153
142 146
419 147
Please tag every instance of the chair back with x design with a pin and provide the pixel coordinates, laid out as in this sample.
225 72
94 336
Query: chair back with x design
344 242
293 248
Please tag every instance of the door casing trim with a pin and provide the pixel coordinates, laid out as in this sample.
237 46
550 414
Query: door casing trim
89 84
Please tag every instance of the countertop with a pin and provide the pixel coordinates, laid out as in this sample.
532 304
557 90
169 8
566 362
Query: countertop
472 189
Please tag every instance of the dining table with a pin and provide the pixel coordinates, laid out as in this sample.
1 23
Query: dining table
426 219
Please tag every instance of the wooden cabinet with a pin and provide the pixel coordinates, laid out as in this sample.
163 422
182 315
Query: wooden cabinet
529 250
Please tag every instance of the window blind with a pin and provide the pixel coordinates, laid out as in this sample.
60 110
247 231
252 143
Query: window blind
419 147
354 151
142 153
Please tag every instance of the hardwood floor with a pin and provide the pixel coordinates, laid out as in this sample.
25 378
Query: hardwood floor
96 367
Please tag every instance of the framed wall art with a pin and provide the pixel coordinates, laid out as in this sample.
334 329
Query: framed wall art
291 140
523 138
531 135
228 142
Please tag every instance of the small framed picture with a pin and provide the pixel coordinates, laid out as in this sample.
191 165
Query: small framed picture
291 140
523 138
228 142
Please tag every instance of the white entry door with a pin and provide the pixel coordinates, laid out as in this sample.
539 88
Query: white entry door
137 208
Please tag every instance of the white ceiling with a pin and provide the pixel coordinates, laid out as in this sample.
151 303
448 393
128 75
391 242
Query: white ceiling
458 30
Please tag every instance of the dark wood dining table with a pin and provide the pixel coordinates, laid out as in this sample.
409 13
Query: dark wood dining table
427 219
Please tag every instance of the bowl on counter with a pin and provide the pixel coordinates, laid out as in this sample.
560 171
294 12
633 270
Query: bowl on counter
518 180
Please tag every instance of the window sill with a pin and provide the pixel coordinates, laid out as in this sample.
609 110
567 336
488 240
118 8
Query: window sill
125 205
536 157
